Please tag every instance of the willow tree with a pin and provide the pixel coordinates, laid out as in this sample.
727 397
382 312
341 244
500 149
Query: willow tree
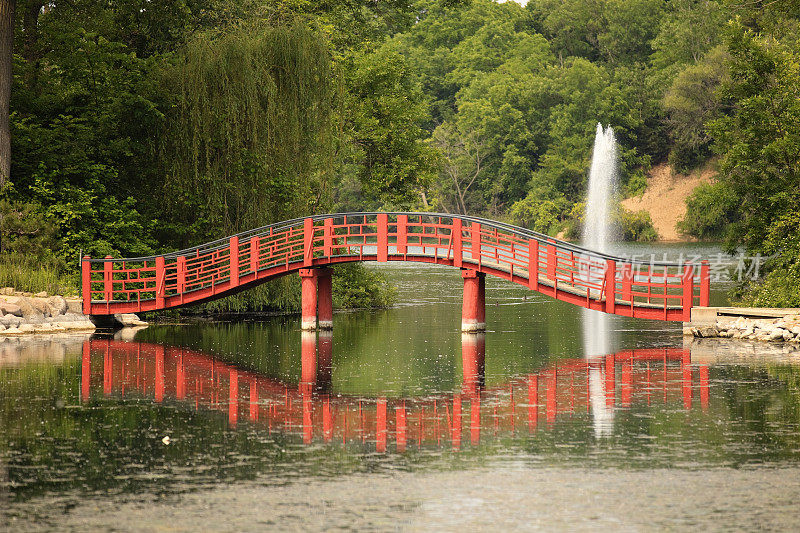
250 138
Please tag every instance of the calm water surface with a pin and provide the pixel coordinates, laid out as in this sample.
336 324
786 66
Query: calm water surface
398 422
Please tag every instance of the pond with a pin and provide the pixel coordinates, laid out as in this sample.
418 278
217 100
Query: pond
397 421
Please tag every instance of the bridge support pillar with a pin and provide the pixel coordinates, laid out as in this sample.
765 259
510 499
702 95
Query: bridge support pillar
324 298
473 309
317 297
308 283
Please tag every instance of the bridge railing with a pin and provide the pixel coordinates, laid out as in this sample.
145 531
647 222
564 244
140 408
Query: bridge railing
660 290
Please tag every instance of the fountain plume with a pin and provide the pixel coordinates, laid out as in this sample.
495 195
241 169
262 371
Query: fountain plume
597 334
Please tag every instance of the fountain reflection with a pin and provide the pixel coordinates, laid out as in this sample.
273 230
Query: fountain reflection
567 390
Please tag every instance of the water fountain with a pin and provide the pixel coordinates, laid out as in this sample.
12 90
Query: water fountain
597 333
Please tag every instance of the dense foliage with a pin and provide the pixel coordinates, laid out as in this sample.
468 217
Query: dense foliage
759 141
137 130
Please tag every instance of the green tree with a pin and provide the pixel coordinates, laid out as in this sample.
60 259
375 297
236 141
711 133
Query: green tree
250 135
759 144
631 26
691 102
463 162
690 29
383 136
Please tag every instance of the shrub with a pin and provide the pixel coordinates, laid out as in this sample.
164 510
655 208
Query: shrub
356 286
24 229
635 226
28 261
540 212
709 211
637 183
779 288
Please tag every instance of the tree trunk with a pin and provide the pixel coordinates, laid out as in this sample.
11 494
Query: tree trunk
6 50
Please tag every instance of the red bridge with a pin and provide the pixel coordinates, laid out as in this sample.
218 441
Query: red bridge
653 290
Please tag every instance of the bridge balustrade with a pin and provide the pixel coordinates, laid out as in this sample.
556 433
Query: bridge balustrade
565 271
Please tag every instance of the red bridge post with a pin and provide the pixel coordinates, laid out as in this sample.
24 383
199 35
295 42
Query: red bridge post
324 298
402 233
473 307
181 276
160 275
627 283
455 236
688 292
233 254
108 277
308 281
533 264
611 285
308 242
705 284
86 285
254 259
383 237
552 260
327 238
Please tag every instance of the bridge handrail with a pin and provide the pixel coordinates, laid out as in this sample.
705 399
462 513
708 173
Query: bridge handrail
650 289
223 242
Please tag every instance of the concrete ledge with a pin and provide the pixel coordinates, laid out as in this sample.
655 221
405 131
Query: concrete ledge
708 316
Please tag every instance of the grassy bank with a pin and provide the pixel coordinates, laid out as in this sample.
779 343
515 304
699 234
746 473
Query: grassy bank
33 274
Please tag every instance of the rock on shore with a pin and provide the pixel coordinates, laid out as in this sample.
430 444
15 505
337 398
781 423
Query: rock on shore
25 313
785 329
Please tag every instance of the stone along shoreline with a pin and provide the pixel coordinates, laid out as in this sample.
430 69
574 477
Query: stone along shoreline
23 313
785 329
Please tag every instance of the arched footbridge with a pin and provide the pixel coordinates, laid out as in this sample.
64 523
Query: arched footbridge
477 246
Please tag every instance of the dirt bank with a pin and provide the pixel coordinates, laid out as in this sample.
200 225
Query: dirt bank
665 198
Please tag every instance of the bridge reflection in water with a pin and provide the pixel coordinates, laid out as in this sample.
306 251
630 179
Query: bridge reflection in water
566 388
